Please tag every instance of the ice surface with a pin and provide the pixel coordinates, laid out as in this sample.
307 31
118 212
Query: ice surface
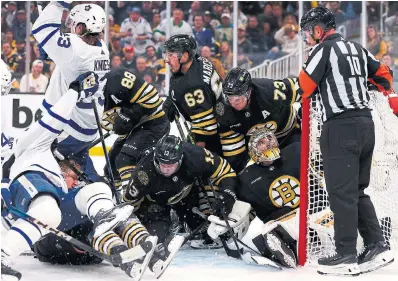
189 265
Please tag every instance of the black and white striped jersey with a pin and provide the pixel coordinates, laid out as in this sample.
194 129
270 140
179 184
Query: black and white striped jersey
338 71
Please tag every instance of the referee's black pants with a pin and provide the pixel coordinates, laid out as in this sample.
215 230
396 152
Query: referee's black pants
347 144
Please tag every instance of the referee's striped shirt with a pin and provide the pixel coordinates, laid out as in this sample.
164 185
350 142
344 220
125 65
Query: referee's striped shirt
337 71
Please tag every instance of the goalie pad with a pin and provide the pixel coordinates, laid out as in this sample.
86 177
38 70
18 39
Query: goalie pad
238 220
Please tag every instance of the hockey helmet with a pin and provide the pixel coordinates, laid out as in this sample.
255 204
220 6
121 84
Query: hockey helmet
317 16
179 44
168 151
263 146
92 15
237 82
5 79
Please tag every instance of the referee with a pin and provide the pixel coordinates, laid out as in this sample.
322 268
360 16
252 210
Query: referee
336 73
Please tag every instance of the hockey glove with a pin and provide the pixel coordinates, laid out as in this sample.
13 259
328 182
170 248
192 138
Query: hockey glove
86 85
125 121
224 203
170 109
393 101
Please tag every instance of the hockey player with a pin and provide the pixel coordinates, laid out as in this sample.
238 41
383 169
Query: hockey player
74 53
166 176
195 86
38 186
250 103
133 110
271 185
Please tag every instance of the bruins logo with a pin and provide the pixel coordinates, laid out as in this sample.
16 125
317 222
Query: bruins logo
285 191
220 108
143 177
271 125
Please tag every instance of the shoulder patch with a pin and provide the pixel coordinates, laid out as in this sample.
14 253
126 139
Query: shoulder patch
143 177
220 109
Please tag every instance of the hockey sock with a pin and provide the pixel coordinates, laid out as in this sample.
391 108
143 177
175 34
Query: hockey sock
109 243
133 232
204 199
125 175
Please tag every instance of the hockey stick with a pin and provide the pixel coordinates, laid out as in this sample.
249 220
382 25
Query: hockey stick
108 162
94 143
116 259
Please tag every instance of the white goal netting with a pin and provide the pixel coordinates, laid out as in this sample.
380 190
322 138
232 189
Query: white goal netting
383 189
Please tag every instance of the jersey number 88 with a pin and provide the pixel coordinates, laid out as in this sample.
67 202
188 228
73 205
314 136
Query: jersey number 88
128 80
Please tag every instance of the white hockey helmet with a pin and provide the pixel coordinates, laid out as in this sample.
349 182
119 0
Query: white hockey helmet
92 15
5 79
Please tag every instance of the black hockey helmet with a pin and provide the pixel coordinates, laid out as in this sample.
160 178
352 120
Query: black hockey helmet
237 82
168 150
317 16
179 44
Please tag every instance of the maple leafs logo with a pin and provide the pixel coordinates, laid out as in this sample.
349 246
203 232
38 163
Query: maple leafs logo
87 8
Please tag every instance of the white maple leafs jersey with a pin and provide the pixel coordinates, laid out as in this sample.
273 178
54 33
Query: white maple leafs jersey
72 57
33 150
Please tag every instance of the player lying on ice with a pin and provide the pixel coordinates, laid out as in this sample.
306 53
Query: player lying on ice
44 189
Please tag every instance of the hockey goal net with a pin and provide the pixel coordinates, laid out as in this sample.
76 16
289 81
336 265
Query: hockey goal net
316 219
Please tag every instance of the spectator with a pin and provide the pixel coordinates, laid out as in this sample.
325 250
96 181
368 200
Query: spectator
269 36
10 14
19 26
151 57
210 23
244 61
289 18
163 14
147 10
206 53
373 9
141 67
277 13
9 37
203 36
244 44
36 56
375 44
387 60
177 26
37 81
288 38
10 57
242 18
392 23
116 61
156 19
21 52
224 32
256 35
217 10
114 29
268 17
194 11
226 56
34 11
64 28
116 47
334 7
138 31
129 58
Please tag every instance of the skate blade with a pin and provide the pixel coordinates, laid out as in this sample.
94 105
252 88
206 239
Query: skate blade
340 270
167 262
380 261
144 264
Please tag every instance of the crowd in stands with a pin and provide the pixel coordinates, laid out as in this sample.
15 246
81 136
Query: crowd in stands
137 32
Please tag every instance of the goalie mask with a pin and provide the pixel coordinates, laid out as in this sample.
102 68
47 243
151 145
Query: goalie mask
263 146
168 155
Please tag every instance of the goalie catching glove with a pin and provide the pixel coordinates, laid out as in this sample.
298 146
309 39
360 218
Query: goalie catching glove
86 85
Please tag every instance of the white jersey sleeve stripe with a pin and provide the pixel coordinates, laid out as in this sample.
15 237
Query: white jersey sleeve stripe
51 129
56 116
52 33
56 25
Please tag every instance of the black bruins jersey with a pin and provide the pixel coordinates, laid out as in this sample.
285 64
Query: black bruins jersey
271 106
195 93
273 189
124 89
197 162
